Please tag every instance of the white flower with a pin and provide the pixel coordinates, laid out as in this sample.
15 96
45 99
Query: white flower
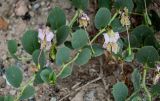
45 36
110 42
111 38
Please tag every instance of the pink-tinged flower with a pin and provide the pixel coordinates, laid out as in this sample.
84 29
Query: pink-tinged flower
110 42
45 36
83 20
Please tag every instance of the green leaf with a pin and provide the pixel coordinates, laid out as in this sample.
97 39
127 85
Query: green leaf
62 34
83 57
45 75
141 32
136 98
136 79
14 76
12 46
147 55
150 40
104 3
38 79
30 41
133 41
102 18
63 55
28 92
42 58
140 5
117 26
80 4
66 72
98 50
79 39
155 90
52 53
120 91
121 4
7 98
68 44
52 78
56 18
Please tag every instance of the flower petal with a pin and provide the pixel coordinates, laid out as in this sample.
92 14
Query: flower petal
41 35
106 38
49 36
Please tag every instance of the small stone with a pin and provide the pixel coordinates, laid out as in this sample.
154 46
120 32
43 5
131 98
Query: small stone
12 92
21 8
42 3
3 24
36 6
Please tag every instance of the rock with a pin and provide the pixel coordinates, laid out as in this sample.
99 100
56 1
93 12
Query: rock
3 24
36 6
12 92
79 96
21 8
90 96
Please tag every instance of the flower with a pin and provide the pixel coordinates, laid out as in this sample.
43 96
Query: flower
110 42
125 18
83 20
45 36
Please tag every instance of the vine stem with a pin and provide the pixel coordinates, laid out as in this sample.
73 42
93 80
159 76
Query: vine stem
65 66
144 84
101 31
22 88
74 19
129 98
129 44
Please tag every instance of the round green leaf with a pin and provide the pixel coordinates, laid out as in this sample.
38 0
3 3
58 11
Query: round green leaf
14 76
121 4
62 34
63 55
68 44
120 91
12 46
66 72
141 32
7 98
104 3
83 57
117 26
136 79
155 89
79 39
80 4
45 75
56 18
27 92
98 50
147 55
38 79
30 41
102 18
140 5
42 58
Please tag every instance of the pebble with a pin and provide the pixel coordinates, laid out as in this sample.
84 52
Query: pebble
36 6
21 8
